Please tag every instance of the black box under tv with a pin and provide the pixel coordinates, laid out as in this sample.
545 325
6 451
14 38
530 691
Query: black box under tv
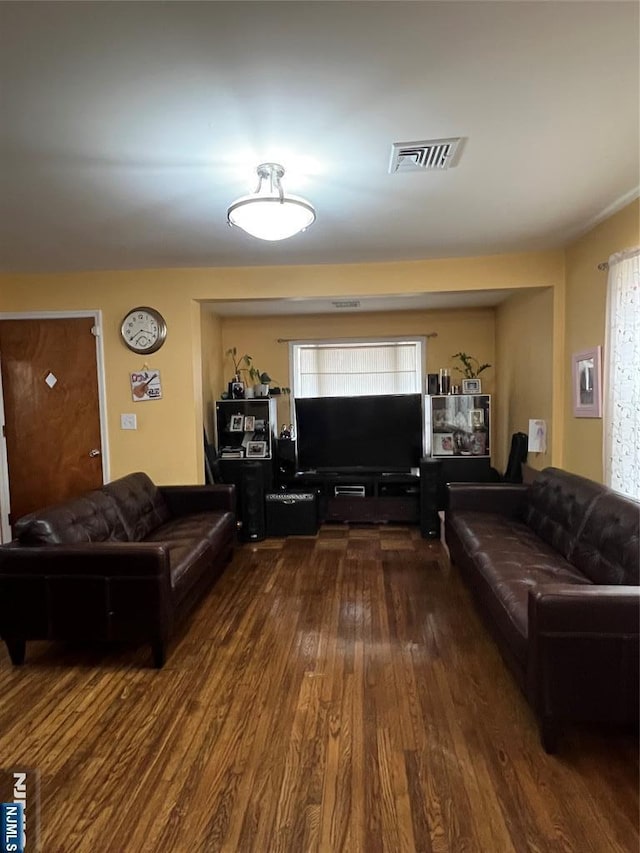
291 514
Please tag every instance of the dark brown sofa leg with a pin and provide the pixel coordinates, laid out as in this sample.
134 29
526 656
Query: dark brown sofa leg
17 650
549 735
159 651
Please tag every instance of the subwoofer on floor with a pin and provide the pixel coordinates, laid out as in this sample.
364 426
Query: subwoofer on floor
252 503
429 484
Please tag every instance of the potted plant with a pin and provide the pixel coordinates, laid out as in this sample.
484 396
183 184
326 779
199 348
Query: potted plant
261 380
241 364
471 367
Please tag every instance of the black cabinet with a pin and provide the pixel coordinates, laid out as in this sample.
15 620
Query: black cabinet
364 497
246 429
246 445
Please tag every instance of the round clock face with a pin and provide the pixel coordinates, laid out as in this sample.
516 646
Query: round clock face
143 330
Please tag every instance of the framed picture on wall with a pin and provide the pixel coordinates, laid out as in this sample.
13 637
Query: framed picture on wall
586 368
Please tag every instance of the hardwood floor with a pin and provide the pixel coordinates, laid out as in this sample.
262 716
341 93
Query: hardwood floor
335 693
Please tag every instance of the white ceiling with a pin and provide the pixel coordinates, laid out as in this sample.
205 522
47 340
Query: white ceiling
128 128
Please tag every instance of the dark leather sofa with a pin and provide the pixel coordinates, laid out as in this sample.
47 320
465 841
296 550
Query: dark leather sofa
121 563
554 569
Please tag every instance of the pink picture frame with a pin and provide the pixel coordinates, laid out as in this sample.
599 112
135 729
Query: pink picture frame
586 368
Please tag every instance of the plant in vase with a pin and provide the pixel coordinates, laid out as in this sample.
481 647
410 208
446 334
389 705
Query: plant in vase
261 380
471 367
241 367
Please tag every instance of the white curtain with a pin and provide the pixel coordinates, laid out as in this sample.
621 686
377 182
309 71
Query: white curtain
353 369
622 375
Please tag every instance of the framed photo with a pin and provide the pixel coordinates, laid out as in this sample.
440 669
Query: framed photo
443 444
471 386
587 383
476 418
257 449
236 424
249 423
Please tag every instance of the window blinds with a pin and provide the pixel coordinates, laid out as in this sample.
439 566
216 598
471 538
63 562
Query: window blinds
356 369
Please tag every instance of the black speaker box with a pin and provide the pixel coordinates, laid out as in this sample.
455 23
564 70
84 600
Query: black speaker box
291 514
252 502
433 384
286 461
429 489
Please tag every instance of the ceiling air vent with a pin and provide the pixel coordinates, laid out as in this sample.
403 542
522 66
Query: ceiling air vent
347 303
423 156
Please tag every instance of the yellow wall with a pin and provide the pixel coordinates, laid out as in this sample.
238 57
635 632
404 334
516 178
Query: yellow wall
524 327
168 442
212 369
586 288
471 330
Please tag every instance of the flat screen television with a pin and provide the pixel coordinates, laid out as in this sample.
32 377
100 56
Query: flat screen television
374 433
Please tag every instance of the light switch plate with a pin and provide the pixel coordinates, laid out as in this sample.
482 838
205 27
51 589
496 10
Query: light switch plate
128 422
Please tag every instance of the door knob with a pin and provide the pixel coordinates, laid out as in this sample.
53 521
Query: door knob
94 452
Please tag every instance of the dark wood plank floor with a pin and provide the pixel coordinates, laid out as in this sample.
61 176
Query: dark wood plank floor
335 693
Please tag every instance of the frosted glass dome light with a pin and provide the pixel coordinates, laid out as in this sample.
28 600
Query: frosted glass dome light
269 214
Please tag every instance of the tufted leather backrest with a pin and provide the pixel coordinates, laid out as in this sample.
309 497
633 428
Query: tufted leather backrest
557 507
607 549
593 527
140 504
93 517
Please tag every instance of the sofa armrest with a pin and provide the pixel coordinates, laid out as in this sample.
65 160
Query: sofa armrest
507 499
584 652
184 500
584 609
100 591
104 559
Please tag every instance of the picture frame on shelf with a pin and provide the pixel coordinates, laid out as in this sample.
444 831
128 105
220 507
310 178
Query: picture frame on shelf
443 444
586 369
256 449
236 423
471 386
249 423
476 418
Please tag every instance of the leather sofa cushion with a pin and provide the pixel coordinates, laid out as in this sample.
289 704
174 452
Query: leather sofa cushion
94 517
140 504
198 525
558 506
503 582
191 540
607 551
488 531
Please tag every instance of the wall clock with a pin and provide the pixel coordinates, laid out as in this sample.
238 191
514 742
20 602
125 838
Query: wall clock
143 330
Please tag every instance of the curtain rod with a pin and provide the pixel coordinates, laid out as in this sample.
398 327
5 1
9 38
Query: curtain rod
353 338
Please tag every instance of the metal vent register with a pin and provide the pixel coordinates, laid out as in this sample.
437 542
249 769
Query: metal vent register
423 156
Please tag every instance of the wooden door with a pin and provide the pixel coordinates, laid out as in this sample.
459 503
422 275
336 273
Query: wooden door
52 413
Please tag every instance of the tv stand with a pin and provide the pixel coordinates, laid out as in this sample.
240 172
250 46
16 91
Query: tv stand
365 497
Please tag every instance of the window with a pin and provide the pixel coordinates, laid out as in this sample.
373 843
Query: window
622 375
356 368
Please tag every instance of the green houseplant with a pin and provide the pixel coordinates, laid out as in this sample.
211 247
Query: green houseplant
261 380
471 367
241 364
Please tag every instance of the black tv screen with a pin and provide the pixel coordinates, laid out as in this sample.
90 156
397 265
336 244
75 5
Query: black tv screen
377 433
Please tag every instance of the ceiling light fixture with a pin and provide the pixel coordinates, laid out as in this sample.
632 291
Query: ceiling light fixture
269 214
